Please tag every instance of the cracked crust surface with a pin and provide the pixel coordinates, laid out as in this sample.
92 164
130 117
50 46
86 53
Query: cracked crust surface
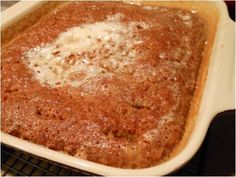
132 117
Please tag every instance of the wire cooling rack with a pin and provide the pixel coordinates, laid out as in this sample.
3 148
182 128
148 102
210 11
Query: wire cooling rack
17 163
215 156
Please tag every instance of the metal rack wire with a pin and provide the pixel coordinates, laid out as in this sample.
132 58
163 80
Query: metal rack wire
17 163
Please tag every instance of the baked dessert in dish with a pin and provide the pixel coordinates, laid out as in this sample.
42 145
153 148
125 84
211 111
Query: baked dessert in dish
108 82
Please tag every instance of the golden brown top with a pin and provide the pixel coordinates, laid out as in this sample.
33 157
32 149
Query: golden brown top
106 81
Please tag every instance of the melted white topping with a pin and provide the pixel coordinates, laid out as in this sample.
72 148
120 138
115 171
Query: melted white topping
150 7
187 20
194 10
86 52
154 134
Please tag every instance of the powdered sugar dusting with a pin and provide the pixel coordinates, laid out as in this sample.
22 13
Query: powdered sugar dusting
150 7
86 53
154 134
187 20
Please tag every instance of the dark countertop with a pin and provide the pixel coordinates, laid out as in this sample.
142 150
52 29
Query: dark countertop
215 157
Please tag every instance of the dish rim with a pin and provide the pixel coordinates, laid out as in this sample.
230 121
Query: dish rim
201 124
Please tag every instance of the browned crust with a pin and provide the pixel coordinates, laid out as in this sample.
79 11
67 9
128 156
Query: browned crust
18 27
212 21
202 74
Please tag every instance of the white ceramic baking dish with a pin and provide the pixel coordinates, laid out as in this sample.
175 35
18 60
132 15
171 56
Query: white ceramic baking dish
215 92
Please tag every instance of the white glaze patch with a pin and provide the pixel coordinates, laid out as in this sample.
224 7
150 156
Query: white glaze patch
187 20
86 53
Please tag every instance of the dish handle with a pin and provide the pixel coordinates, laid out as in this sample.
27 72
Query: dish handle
225 70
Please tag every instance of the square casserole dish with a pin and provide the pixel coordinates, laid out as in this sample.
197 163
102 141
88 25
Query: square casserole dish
214 92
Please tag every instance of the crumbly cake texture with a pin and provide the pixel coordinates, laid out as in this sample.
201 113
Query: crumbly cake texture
104 81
